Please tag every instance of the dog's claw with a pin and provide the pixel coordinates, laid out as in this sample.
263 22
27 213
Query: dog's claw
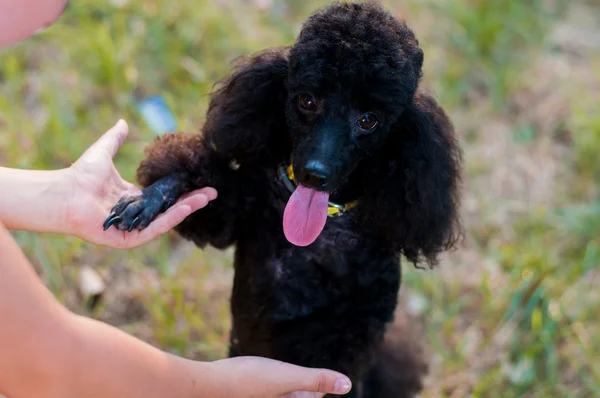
121 205
137 211
113 218
134 224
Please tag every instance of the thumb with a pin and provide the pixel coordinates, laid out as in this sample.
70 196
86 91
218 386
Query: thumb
113 139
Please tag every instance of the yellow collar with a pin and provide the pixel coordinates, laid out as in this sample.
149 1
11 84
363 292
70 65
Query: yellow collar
333 210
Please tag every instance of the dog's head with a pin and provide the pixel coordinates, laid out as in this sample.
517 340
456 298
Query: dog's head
352 72
357 128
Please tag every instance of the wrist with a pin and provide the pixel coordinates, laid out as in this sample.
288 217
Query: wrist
199 379
60 196
215 383
56 200
35 200
65 194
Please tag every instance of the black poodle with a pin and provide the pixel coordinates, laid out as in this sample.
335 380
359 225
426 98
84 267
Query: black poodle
330 164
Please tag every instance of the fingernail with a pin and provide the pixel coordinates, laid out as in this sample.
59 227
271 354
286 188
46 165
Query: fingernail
342 386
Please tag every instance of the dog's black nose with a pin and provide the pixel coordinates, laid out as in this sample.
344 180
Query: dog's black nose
314 175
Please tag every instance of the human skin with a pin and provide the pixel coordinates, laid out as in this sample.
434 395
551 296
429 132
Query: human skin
20 19
48 351
76 200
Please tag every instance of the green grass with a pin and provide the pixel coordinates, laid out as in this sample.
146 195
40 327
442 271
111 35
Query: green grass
512 313
488 42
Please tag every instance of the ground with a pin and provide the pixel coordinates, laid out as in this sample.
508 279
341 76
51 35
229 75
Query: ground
511 313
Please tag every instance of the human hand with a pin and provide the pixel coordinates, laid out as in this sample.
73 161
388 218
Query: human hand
255 377
97 186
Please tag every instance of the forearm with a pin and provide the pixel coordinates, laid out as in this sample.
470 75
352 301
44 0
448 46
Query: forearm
49 352
110 363
34 200
32 326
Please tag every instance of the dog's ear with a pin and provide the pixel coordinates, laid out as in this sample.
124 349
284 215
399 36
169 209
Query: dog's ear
412 195
246 115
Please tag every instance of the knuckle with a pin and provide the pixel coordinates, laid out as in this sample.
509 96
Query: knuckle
320 382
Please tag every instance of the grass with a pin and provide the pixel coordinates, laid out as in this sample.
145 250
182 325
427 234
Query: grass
488 42
512 313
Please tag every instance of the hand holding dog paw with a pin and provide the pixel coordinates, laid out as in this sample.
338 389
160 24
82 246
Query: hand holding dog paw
254 377
97 186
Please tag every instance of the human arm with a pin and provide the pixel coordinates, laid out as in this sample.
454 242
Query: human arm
76 200
49 352
22 18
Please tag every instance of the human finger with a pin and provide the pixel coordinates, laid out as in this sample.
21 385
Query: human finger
113 139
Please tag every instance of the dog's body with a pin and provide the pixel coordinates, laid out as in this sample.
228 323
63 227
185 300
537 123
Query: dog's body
327 300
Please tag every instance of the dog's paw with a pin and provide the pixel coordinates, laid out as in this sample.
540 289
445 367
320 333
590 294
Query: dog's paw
137 211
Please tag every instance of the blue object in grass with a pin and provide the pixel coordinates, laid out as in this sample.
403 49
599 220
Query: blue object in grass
157 114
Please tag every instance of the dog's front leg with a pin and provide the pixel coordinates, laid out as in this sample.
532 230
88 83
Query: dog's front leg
175 164
138 211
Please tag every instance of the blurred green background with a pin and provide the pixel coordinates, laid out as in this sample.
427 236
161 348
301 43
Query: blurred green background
512 313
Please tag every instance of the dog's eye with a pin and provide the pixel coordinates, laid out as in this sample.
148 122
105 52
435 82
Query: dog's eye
307 102
368 122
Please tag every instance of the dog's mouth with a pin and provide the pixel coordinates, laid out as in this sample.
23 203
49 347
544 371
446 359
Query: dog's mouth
305 215
307 209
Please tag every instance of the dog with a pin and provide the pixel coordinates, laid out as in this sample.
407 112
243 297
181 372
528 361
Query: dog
330 164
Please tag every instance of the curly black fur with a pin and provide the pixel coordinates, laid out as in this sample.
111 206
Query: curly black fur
327 304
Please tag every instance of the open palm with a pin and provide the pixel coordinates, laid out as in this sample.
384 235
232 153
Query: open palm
97 186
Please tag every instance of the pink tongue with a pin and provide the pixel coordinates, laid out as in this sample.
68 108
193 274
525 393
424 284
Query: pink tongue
305 215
